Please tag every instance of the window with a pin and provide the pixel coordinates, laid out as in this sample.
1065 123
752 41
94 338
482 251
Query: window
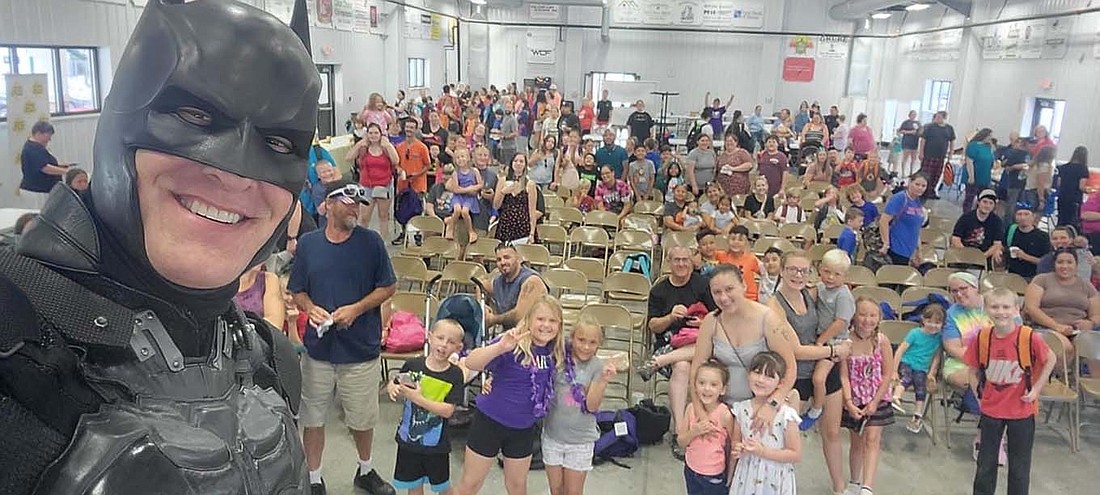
72 74
597 79
937 97
418 73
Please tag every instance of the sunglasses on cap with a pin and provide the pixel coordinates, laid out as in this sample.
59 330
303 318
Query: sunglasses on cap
350 193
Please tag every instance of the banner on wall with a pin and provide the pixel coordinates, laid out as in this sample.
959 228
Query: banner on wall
343 15
1096 46
945 45
322 10
375 9
1047 39
437 27
835 47
541 46
798 69
801 46
28 102
729 14
543 12
362 16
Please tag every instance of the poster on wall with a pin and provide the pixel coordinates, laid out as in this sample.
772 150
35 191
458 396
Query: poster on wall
835 47
728 14
412 24
343 15
1057 43
543 12
541 46
798 69
801 46
1027 40
283 9
626 11
375 8
361 23
659 12
436 29
322 10
944 45
28 102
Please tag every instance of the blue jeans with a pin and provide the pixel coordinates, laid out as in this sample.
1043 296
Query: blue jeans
698 484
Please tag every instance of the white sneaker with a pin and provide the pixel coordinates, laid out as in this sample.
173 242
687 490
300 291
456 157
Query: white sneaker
853 489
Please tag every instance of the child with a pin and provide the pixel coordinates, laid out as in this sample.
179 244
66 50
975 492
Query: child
848 171
523 362
740 256
580 198
790 212
432 387
570 432
690 217
641 174
848 240
653 154
918 354
706 256
1008 400
865 382
828 209
673 179
855 197
759 204
725 218
705 434
465 184
764 462
326 173
769 280
835 308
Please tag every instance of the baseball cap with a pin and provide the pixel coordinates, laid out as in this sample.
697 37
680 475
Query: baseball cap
988 193
347 191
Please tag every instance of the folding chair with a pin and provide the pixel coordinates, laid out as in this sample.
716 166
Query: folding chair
589 237
880 294
571 289
898 277
432 248
766 228
413 271
649 207
619 334
817 252
680 238
859 275
935 238
606 220
483 251
555 238
418 303
423 227
942 224
594 269
565 216
831 233
631 290
920 293
638 221
458 274
966 258
1061 390
937 277
634 240
798 232
554 201
536 255
1011 281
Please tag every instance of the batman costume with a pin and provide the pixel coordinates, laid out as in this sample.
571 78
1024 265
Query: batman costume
114 379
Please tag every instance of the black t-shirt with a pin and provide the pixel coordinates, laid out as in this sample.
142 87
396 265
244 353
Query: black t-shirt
976 233
569 123
1012 179
831 122
910 141
420 430
936 138
1069 180
1036 243
757 209
592 174
438 137
603 110
34 157
641 125
664 295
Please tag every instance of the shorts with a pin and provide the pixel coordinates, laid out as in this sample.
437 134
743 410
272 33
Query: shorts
701 484
415 469
914 378
573 456
805 386
381 192
883 416
488 438
355 383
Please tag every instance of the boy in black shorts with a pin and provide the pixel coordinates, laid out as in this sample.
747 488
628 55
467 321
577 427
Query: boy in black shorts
431 386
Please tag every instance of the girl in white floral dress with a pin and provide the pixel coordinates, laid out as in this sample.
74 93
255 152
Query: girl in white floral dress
765 459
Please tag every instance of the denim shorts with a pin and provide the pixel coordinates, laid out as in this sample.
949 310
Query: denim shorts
701 484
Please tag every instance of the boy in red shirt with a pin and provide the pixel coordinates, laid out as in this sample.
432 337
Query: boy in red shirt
740 256
1007 402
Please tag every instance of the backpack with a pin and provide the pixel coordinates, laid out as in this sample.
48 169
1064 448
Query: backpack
918 306
873 259
409 205
406 333
638 263
694 135
1023 354
653 420
610 445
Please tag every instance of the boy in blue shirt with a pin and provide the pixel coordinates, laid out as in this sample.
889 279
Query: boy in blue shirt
918 354
849 237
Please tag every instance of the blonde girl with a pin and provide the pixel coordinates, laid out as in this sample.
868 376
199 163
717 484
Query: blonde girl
765 461
466 184
570 432
375 112
523 363
865 378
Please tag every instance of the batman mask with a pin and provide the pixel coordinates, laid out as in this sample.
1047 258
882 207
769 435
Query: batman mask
203 141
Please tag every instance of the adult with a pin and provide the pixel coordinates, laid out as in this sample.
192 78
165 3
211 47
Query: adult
1090 222
603 109
840 133
613 194
569 121
377 161
341 276
1040 174
434 131
544 162
964 318
516 202
483 160
673 209
833 119
1026 245
1062 237
910 141
586 115
669 300
902 219
1062 302
147 272
801 119
1014 163
815 133
717 112
414 160
41 170
734 165
640 122
798 302
1040 139
937 139
553 96
509 132
612 155
820 169
700 164
261 294
738 129
981 229
514 291
1072 179
77 179
979 165
755 123
861 138
773 165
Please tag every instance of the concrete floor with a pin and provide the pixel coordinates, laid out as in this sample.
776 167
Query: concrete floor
910 464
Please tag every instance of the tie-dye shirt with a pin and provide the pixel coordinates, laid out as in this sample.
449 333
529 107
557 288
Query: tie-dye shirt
964 323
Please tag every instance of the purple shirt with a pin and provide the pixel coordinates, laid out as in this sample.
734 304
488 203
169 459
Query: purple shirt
716 115
511 401
861 140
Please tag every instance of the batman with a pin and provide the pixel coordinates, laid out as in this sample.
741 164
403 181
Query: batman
125 368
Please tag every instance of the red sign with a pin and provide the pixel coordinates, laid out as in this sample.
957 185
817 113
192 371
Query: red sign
798 69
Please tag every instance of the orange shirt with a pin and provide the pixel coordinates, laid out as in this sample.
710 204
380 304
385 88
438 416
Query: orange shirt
749 265
415 159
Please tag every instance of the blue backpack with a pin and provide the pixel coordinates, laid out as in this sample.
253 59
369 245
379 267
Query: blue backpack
609 445
638 263
409 205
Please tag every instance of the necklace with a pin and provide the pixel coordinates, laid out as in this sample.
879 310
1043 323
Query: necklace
541 392
575 389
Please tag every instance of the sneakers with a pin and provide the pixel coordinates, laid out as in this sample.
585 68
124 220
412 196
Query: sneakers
809 420
677 450
896 404
317 488
853 488
372 483
399 240
648 369
916 424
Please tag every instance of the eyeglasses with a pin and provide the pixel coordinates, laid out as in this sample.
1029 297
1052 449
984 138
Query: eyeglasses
349 191
794 270
960 290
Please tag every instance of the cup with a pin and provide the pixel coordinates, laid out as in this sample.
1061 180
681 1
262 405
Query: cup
1014 252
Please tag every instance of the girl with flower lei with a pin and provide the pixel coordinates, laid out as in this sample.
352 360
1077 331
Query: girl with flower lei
523 363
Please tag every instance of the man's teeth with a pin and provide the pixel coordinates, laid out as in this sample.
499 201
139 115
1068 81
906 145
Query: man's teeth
209 212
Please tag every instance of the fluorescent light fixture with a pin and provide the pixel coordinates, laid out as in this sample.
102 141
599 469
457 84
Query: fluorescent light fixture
917 7
881 15
479 2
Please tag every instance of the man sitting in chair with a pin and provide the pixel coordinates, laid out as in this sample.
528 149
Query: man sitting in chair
981 229
513 291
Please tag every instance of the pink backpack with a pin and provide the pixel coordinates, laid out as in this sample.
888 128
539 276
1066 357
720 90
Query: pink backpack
406 333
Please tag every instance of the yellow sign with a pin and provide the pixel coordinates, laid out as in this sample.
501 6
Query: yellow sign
437 27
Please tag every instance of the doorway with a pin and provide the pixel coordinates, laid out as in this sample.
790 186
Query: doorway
1046 112
326 114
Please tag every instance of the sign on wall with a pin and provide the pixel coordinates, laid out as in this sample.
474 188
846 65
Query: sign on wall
543 12
801 46
728 14
944 45
322 10
798 69
361 22
541 46
835 47
28 102
343 15
1027 40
